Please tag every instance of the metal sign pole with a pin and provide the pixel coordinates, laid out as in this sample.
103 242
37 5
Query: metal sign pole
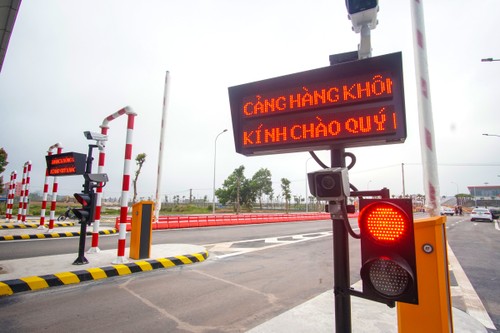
341 271
81 260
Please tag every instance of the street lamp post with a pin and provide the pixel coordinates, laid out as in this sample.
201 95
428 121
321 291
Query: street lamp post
215 160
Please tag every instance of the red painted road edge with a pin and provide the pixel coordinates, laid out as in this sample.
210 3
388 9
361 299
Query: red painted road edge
197 221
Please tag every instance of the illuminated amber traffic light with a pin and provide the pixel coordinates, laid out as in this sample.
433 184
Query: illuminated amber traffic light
388 250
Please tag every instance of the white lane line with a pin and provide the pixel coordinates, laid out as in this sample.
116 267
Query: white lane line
497 226
270 242
474 306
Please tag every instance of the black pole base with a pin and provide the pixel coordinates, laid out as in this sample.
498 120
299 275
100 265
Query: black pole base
80 261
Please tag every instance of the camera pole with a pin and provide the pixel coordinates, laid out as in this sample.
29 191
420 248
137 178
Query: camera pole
81 260
341 270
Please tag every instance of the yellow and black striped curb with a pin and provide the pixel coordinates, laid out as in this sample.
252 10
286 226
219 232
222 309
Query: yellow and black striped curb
54 235
9 287
32 225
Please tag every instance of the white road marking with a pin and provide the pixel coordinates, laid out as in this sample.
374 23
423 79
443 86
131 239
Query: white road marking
181 325
271 298
232 248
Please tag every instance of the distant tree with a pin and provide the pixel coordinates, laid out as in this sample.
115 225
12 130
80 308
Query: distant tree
285 190
297 200
271 198
139 160
463 198
237 189
3 164
261 181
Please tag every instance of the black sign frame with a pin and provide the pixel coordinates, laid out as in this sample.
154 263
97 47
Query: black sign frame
261 130
66 164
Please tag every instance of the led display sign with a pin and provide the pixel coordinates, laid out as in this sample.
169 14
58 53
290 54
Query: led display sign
359 103
66 164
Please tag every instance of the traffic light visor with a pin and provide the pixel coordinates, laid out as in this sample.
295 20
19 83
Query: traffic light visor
83 199
384 222
81 214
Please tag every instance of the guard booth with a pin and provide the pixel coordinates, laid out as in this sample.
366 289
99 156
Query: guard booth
142 230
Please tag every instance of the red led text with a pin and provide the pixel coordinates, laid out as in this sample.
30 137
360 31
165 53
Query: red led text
320 128
325 95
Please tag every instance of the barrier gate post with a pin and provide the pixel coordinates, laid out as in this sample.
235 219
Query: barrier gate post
142 229
433 314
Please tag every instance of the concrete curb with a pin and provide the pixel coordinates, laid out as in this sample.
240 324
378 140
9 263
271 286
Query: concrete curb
32 225
32 283
54 235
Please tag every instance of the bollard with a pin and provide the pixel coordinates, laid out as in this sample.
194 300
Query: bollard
142 228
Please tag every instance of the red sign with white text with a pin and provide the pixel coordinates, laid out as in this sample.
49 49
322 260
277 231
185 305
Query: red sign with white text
359 103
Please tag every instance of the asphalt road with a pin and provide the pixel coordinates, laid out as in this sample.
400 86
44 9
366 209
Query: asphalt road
254 273
477 247
228 294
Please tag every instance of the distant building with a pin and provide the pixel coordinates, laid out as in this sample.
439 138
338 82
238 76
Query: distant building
486 191
485 195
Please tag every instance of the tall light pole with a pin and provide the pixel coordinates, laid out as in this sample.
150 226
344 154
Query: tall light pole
215 160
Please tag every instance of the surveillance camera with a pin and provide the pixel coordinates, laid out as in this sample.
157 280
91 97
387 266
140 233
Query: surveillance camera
95 136
362 12
96 177
329 184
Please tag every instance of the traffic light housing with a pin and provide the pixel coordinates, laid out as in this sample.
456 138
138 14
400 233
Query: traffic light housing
86 213
329 184
389 270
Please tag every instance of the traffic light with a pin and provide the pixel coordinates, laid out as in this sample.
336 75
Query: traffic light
86 213
388 260
329 184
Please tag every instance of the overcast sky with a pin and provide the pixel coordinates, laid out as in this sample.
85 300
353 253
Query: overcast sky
72 63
